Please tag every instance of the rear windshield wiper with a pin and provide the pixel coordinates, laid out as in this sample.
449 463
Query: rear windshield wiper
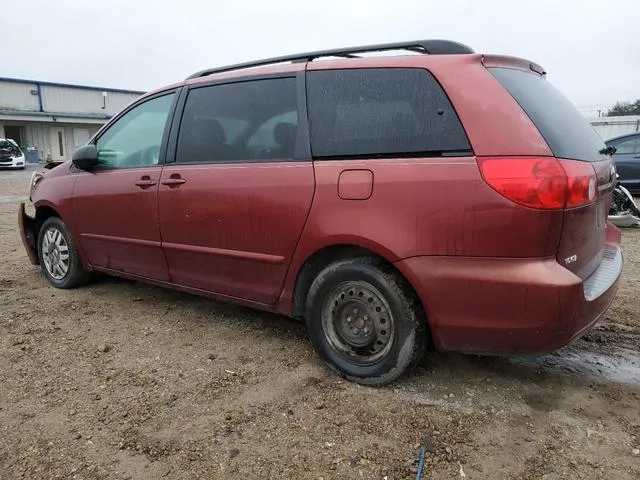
608 150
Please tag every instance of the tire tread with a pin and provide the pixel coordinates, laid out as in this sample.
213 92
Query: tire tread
416 342
77 275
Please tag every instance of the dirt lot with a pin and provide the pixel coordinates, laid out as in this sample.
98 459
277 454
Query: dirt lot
122 380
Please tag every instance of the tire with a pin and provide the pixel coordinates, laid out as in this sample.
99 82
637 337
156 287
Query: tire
59 257
364 319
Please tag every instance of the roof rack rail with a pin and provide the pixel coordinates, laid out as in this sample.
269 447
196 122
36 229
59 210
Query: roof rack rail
432 47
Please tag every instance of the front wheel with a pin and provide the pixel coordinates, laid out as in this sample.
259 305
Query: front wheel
58 255
365 320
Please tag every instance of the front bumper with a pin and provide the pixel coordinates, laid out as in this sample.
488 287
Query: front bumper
511 306
27 226
16 162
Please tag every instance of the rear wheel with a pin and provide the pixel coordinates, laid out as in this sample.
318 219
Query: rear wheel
365 320
58 255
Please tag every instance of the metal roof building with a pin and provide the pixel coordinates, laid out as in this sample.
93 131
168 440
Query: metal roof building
56 118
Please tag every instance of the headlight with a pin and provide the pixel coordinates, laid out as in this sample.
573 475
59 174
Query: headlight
35 178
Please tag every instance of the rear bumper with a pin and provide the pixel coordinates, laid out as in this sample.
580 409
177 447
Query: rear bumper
504 305
27 225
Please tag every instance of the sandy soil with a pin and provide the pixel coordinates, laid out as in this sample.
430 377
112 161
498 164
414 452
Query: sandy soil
121 380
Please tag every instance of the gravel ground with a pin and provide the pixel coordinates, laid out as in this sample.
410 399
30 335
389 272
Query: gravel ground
122 380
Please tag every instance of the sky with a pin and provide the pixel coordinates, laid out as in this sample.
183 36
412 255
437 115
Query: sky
590 48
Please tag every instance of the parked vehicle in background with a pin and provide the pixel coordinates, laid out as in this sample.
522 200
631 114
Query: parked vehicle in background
11 156
442 198
623 211
627 160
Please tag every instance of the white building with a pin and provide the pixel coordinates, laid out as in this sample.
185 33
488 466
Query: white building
609 127
56 118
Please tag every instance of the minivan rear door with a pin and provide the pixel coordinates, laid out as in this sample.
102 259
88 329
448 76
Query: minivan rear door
570 137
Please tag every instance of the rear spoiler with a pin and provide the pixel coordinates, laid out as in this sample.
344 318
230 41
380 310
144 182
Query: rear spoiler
506 61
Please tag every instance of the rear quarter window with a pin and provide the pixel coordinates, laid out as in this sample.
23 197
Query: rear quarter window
566 131
381 113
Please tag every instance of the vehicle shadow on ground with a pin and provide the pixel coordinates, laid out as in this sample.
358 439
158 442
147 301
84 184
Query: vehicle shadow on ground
598 357
203 307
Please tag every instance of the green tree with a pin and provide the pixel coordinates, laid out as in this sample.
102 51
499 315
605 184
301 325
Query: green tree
624 108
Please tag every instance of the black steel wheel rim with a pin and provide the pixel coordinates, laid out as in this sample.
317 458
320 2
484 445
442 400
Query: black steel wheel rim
358 323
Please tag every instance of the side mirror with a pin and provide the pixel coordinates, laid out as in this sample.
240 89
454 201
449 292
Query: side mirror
85 158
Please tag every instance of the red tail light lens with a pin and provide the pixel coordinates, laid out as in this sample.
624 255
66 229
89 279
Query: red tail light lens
582 184
543 183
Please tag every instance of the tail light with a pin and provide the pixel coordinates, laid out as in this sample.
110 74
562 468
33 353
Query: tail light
582 184
544 183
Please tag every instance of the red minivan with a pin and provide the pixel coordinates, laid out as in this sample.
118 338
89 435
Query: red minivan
436 198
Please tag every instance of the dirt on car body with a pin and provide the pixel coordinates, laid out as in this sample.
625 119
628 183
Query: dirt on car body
124 380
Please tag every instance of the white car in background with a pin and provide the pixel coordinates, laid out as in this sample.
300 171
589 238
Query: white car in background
10 154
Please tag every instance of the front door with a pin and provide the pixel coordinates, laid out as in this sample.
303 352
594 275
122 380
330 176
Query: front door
58 144
234 203
116 204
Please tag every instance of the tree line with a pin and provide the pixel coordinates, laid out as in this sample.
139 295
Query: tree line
624 108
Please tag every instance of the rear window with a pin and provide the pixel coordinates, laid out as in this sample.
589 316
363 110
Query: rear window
381 113
563 127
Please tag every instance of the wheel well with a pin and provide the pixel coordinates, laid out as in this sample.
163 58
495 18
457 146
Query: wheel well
320 260
42 213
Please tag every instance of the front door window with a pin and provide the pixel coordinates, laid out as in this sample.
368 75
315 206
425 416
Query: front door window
134 139
628 146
